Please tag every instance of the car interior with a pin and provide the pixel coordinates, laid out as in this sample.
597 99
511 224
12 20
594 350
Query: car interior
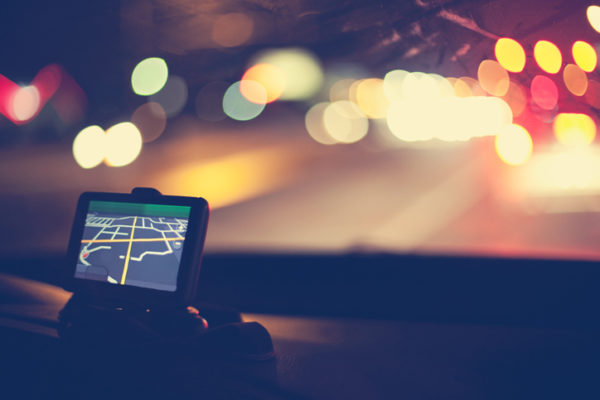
300 199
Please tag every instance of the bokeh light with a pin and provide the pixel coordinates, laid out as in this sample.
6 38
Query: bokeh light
575 79
574 129
585 56
149 76
345 122
493 78
233 29
340 90
151 120
516 97
209 102
123 144
25 103
237 107
593 16
89 147
392 84
544 92
464 82
461 88
510 54
548 56
173 96
371 99
592 94
272 79
301 69
315 126
448 118
514 145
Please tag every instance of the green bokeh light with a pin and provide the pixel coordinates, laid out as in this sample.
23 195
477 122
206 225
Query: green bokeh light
149 76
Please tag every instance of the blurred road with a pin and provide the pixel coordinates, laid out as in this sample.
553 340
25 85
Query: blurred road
274 189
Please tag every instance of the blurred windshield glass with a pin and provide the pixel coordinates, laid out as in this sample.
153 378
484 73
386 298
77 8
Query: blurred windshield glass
446 127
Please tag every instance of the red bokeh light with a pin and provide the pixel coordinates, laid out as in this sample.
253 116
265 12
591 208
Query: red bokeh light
544 92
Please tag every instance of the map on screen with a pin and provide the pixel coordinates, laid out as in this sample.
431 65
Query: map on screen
133 244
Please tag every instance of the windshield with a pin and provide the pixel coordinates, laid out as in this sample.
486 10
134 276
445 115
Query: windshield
449 127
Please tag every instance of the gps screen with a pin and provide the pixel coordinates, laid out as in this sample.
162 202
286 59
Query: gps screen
133 244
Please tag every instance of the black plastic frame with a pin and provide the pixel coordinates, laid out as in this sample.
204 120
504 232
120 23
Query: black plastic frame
189 270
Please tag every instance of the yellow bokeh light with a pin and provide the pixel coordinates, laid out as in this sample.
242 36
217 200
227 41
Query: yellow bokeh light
510 54
593 16
315 125
25 103
149 76
575 79
585 56
270 77
303 75
89 147
419 86
371 99
493 78
574 129
345 122
514 145
448 118
548 56
392 84
233 29
123 144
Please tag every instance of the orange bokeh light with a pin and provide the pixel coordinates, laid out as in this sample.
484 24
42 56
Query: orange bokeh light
270 77
575 79
548 56
510 54
493 78
233 29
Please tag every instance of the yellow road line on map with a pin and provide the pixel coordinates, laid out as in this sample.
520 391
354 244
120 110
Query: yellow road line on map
128 253
129 240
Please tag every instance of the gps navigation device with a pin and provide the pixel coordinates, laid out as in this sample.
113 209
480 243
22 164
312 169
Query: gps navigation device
141 248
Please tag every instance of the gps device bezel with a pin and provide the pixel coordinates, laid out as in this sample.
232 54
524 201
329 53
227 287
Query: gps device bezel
100 292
